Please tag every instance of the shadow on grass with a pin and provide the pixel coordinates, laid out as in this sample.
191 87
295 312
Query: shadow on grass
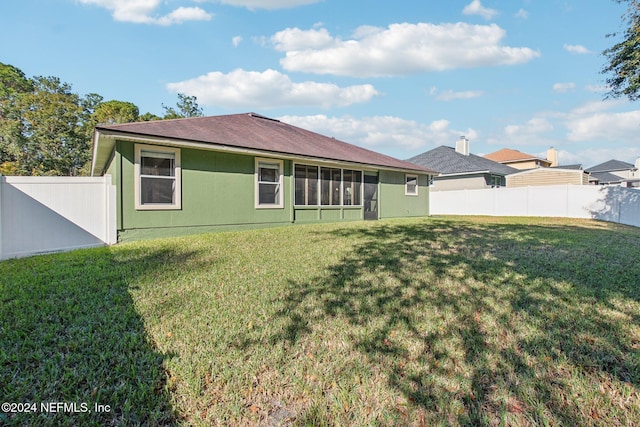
514 324
71 334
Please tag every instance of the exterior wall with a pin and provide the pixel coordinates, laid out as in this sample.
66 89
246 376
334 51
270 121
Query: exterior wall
218 193
218 189
48 214
393 203
327 213
459 182
547 176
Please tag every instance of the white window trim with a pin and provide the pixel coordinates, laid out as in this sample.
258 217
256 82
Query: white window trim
406 184
280 163
139 148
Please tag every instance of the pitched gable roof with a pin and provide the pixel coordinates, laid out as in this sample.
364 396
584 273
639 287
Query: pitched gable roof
449 162
605 178
248 131
507 155
611 165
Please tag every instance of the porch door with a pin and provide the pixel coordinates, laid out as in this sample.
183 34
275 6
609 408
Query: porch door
370 196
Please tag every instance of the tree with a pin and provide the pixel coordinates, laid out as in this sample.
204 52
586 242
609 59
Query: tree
187 106
53 120
13 84
623 57
114 112
148 117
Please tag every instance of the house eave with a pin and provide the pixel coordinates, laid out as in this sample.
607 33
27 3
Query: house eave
104 144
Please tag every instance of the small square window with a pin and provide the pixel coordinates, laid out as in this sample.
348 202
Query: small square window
411 185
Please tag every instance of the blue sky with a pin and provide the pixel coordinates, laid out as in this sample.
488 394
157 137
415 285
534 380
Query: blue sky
398 77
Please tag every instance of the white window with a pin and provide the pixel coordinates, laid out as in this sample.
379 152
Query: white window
411 185
269 183
157 178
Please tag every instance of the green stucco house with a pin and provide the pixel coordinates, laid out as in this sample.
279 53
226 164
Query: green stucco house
245 170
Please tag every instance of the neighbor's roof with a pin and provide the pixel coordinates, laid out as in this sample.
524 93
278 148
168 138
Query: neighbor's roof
605 178
509 155
248 131
611 165
449 162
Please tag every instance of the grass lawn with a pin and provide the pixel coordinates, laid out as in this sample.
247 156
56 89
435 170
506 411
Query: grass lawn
439 321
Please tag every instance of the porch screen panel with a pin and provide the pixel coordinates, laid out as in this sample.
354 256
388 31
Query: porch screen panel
330 184
352 187
306 185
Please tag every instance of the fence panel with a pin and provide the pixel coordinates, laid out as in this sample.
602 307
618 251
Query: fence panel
47 214
615 204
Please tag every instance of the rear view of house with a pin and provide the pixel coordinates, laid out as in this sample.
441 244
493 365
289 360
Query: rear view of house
247 170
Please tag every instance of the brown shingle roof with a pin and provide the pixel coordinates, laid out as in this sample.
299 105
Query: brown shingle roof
256 132
507 155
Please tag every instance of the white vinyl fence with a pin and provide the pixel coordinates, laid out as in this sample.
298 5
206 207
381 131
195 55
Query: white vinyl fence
48 214
615 204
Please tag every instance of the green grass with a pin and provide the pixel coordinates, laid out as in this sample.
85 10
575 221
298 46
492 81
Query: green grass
440 321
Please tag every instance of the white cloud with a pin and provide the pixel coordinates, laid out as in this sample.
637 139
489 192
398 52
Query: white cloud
534 126
604 126
533 132
268 89
183 14
522 14
594 131
400 49
449 95
383 133
236 41
295 39
476 8
563 87
265 4
576 48
141 12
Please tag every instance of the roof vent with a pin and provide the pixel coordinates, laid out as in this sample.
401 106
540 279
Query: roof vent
258 116
462 146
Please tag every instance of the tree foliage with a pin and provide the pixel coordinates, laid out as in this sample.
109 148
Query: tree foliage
53 125
13 83
187 106
47 129
623 67
114 112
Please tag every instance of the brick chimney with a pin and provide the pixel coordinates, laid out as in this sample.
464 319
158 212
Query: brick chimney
552 156
462 146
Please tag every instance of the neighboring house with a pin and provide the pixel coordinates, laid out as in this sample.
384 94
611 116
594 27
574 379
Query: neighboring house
557 175
519 160
460 170
246 170
615 172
